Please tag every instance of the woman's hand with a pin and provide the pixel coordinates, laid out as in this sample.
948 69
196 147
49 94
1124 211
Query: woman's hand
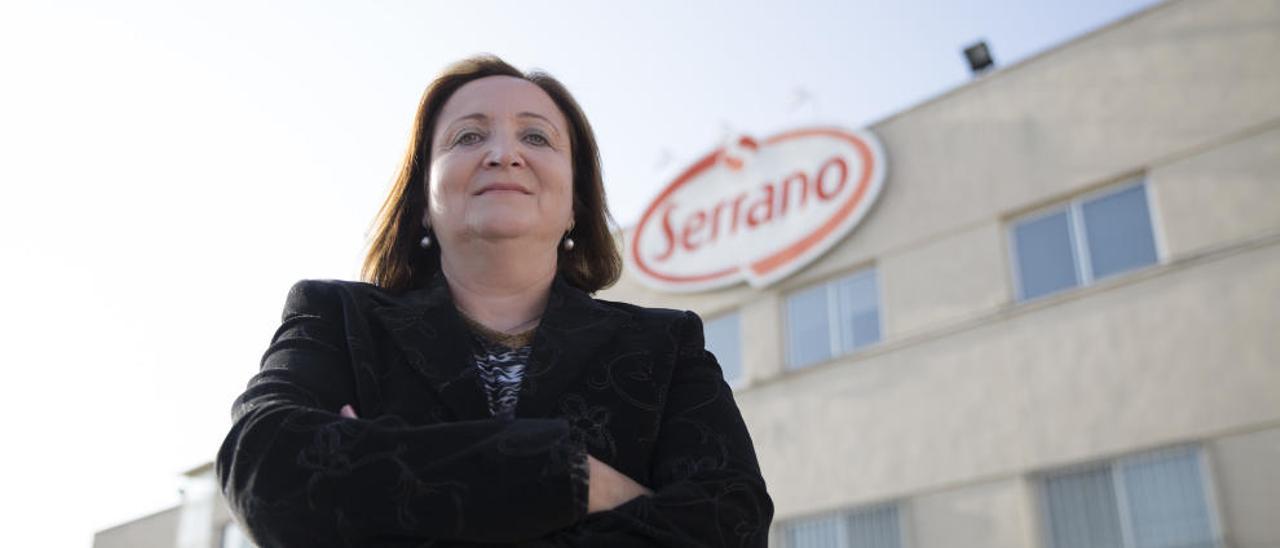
609 488
348 412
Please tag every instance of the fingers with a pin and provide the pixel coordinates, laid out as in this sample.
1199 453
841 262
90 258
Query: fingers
348 412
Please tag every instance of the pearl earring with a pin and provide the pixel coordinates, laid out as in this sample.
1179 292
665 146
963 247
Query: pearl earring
425 242
567 245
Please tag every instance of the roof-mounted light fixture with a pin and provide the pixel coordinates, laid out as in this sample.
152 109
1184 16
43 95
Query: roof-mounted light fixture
979 57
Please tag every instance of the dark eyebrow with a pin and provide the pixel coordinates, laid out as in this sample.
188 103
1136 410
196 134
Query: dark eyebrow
540 117
482 118
473 116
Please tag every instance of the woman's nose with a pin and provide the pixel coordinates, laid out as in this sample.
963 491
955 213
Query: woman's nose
503 153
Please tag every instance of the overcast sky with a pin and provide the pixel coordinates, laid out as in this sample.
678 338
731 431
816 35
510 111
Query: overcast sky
169 169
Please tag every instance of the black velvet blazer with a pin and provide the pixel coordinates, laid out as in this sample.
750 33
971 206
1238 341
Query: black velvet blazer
426 465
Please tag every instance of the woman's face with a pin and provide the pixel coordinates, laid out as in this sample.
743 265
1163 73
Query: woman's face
500 165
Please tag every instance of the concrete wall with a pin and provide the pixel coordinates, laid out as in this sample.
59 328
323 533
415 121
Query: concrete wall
1248 480
155 531
197 522
994 514
1223 195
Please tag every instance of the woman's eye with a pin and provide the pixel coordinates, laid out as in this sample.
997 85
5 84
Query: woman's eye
467 138
537 139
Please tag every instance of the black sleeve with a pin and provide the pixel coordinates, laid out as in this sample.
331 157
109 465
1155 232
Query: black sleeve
708 490
295 473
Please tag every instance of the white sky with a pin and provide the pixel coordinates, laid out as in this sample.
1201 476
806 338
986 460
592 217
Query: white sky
168 170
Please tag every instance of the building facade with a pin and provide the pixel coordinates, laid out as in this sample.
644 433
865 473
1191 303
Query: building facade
1058 327
1060 324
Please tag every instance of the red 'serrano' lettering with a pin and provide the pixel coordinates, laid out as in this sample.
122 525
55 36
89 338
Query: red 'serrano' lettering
692 225
822 172
669 233
773 201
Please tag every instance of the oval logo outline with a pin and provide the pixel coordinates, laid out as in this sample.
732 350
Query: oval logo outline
778 261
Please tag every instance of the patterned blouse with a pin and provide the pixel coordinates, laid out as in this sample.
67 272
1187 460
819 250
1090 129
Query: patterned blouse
500 360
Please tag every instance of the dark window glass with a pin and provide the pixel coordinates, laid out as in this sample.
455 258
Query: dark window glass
1153 500
815 533
1045 256
1082 510
859 307
1118 227
724 339
808 327
1167 500
875 528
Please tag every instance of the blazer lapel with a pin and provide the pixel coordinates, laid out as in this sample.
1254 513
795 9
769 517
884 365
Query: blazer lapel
573 329
426 327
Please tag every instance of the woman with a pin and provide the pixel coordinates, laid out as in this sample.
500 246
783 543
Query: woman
474 392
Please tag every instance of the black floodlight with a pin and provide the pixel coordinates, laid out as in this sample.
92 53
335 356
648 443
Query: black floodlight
979 57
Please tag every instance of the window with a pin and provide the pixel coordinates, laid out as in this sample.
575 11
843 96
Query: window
876 527
724 339
1153 500
833 318
1083 241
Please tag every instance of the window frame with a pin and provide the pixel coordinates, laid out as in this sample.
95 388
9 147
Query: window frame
1078 235
1115 467
834 326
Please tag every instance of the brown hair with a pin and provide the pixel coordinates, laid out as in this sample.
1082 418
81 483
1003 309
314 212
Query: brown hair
395 260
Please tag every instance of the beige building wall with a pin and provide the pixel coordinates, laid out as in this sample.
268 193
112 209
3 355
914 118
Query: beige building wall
199 521
158 530
994 514
970 393
1249 487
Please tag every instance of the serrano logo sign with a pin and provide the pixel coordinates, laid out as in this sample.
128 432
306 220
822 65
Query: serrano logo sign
757 210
